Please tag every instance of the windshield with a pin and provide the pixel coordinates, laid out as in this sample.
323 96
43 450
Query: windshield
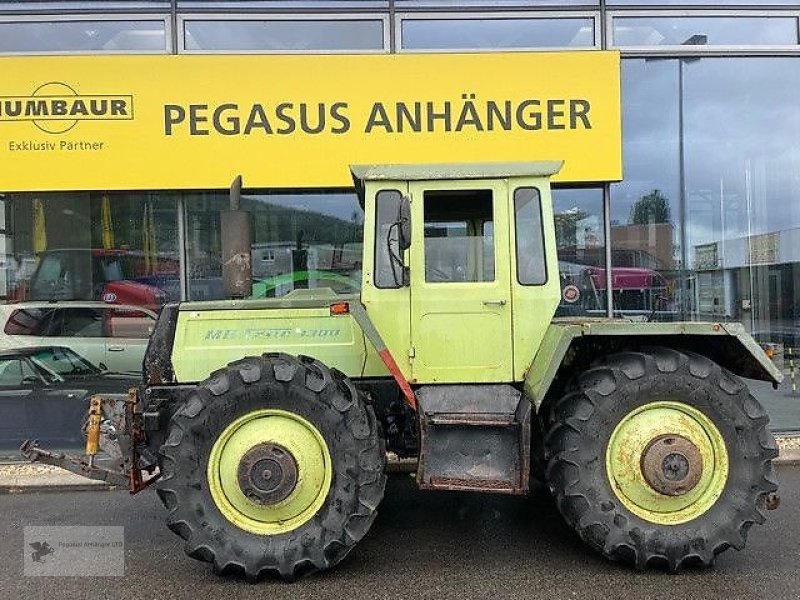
63 362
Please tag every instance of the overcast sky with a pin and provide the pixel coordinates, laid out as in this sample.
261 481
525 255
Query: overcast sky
742 143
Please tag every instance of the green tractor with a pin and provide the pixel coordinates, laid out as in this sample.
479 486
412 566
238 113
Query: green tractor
266 424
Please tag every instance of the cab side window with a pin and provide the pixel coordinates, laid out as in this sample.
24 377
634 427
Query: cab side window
531 264
388 262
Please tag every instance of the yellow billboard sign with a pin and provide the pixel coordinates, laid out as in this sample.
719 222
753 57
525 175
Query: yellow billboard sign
192 122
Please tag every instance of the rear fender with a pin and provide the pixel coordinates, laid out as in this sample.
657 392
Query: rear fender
572 346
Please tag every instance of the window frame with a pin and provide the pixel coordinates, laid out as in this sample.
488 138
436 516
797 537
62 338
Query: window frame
542 15
541 235
494 197
165 19
680 50
183 18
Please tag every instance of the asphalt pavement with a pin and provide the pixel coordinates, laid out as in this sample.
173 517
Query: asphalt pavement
436 545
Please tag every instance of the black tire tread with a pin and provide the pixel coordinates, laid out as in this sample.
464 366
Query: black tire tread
320 543
573 443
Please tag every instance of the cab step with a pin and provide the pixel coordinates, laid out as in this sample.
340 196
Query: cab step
474 438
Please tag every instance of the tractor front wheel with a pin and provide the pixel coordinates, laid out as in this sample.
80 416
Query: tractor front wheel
660 458
273 464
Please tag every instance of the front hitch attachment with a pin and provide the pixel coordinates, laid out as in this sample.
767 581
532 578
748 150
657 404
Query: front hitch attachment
114 425
30 449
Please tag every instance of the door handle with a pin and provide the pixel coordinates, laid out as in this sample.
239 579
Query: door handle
116 348
494 302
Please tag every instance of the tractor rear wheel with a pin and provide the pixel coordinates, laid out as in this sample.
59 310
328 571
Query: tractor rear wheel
272 465
660 458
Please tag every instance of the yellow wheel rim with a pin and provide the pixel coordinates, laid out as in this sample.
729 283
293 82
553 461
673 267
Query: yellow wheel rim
667 462
269 471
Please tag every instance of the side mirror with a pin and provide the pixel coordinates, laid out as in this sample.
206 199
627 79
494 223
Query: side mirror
404 221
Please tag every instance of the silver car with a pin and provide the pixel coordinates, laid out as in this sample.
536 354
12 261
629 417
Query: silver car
112 336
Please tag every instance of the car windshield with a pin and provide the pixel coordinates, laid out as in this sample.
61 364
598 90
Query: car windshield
63 362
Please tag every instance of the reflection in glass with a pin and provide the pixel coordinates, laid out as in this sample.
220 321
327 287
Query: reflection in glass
85 273
30 6
698 2
301 241
465 34
284 35
530 255
317 5
45 391
741 257
578 214
728 31
388 271
459 235
116 247
83 36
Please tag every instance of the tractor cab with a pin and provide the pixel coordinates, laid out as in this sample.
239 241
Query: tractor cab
462 256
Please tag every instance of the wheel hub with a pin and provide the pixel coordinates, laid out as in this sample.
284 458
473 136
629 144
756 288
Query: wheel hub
672 465
667 462
267 474
269 471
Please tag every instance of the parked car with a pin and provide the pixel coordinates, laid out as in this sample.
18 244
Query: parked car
112 336
45 391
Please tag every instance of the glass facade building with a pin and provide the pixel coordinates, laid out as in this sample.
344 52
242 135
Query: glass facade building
705 224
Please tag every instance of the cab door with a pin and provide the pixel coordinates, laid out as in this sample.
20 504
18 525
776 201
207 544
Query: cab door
460 283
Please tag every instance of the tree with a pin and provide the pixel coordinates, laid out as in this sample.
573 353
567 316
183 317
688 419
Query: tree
651 208
566 225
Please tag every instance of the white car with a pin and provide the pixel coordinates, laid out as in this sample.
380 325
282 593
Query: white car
111 336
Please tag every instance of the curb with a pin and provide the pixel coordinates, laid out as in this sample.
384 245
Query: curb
56 488
788 456
26 477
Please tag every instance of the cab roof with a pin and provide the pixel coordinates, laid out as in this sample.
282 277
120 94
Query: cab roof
446 171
